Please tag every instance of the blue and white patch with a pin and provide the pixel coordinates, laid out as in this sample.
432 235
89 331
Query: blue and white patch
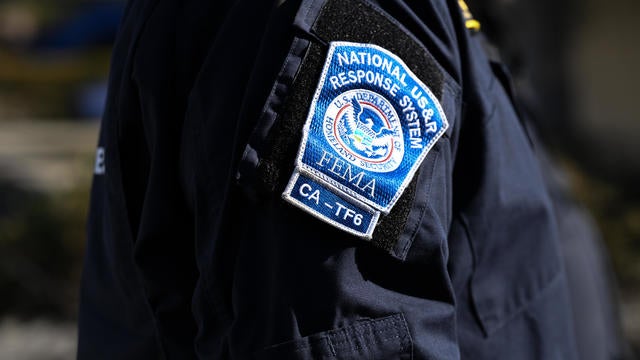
370 126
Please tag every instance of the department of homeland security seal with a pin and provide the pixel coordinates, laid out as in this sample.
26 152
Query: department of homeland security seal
370 125
364 128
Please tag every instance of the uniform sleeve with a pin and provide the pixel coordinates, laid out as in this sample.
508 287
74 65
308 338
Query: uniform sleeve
277 281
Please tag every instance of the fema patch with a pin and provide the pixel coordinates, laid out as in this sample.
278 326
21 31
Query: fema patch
370 126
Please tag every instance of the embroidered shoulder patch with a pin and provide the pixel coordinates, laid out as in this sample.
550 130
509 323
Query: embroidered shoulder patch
370 126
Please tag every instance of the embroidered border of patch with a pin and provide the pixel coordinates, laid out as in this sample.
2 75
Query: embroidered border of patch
370 126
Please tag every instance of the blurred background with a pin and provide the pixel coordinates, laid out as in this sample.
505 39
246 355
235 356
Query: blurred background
580 58
54 61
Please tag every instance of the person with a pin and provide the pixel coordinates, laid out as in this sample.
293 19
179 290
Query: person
317 179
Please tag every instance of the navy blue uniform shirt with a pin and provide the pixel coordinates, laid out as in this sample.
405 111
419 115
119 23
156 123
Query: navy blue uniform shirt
193 253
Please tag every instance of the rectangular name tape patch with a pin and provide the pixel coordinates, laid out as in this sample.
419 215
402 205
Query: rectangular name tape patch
370 126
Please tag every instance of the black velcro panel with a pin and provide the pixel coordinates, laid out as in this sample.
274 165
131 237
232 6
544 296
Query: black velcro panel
276 167
354 21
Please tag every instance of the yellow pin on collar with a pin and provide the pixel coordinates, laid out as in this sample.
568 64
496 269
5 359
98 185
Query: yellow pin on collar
469 21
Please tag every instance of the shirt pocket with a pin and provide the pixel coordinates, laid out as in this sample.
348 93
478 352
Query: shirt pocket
381 338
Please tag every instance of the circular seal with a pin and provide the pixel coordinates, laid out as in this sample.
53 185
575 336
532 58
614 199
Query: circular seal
364 129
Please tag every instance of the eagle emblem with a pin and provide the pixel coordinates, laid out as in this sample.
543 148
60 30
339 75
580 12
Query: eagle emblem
364 130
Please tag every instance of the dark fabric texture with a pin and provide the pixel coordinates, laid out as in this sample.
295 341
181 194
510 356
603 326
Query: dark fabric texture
192 253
